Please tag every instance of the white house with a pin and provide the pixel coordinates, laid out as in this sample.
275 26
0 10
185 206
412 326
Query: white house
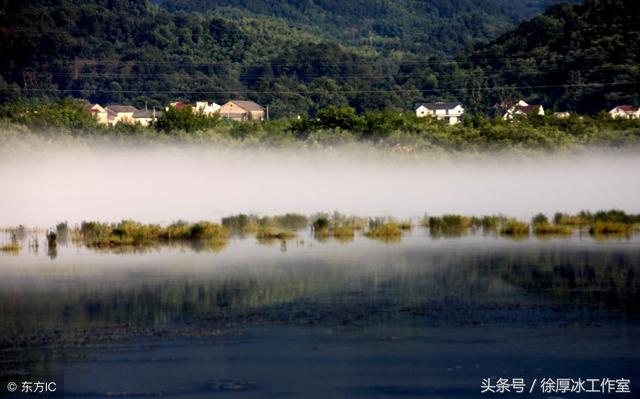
145 117
625 112
510 110
241 110
451 113
206 108
99 113
121 114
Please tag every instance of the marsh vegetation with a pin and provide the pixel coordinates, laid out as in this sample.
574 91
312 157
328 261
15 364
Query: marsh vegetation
322 226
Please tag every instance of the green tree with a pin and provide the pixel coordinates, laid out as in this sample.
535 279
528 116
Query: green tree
185 119
333 117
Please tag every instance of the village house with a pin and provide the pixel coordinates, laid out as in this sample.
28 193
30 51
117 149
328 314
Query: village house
113 114
121 114
625 112
241 110
99 113
509 110
199 106
144 118
451 113
206 108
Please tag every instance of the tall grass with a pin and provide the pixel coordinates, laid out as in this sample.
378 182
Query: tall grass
602 228
514 227
388 232
131 233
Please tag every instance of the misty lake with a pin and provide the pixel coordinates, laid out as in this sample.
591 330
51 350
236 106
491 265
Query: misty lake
425 317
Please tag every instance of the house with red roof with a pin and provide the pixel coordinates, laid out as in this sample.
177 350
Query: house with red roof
625 112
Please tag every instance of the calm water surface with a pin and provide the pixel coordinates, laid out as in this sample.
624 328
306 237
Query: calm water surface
425 317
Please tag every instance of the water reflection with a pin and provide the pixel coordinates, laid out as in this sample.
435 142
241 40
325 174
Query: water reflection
147 286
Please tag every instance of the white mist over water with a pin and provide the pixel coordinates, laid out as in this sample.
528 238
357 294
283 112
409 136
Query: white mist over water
161 183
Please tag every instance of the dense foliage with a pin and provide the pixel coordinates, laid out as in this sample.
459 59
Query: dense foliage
301 57
581 57
432 26
185 119
401 132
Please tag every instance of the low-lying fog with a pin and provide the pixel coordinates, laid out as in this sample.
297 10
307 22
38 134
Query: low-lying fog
162 184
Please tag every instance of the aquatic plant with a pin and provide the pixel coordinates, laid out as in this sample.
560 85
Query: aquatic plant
320 224
515 228
540 218
582 219
384 231
343 232
600 228
292 221
488 222
52 239
241 223
62 229
129 232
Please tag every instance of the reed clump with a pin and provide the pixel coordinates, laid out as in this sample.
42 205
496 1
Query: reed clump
449 221
513 227
603 228
385 230
131 233
324 228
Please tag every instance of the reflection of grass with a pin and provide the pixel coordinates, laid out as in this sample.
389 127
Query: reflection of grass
449 232
12 247
546 228
272 233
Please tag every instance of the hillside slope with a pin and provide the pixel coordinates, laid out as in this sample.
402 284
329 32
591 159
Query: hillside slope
580 57
435 26
576 57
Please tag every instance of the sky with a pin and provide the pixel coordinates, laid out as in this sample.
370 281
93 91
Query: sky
161 184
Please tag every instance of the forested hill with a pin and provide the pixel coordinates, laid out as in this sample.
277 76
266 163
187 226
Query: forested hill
581 57
576 57
434 26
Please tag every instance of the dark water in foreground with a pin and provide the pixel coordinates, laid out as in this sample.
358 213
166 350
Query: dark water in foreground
420 318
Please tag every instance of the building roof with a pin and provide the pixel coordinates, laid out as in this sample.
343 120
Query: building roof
510 104
143 114
437 105
527 109
628 108
122 108
247 105
180 105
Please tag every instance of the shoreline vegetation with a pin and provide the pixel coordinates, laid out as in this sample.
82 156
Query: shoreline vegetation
390 129
205 235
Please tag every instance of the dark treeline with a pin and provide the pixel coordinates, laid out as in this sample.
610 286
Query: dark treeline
574 57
